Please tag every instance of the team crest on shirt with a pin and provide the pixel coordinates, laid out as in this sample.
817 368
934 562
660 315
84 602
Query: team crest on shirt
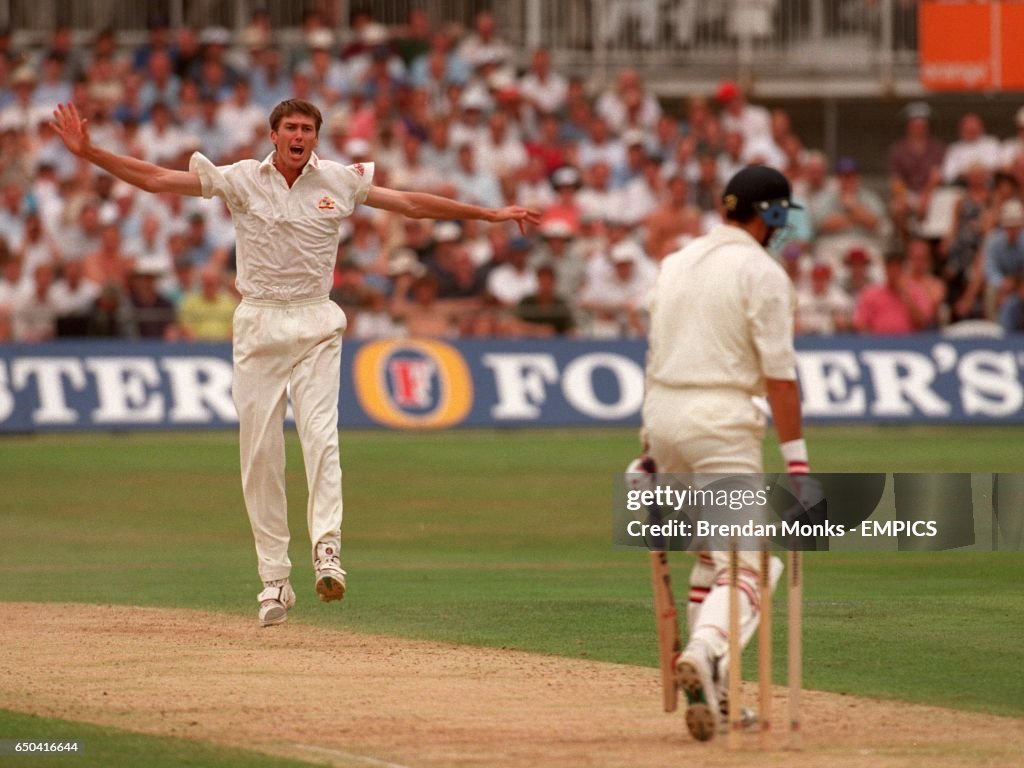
325 204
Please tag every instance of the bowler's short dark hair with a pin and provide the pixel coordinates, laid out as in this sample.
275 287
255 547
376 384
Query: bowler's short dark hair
295 107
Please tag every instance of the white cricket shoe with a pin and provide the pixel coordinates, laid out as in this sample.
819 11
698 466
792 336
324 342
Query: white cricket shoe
330 578
695 678
275 600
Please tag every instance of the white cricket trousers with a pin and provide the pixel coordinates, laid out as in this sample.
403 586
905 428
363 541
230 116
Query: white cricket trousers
717 432
282 345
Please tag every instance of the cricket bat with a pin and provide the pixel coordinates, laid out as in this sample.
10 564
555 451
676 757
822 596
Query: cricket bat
667 623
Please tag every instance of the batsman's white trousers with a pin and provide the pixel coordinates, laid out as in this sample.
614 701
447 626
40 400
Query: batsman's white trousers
713 431
278 345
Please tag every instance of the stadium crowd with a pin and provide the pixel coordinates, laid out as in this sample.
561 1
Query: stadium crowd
621 182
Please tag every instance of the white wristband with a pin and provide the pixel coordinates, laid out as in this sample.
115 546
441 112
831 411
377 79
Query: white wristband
794 451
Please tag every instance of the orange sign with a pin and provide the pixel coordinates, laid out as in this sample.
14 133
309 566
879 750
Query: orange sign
955 51
971 46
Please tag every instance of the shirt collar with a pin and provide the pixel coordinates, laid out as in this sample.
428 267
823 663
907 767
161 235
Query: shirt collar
312 163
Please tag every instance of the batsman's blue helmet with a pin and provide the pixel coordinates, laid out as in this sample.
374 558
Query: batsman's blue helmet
758 190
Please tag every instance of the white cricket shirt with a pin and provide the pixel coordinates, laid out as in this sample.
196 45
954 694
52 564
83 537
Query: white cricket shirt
721 316
286 239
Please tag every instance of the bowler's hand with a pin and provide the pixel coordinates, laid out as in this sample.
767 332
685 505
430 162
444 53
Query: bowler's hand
521 216
71 127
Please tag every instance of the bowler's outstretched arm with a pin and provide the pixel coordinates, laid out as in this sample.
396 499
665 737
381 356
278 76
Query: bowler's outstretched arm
74 132
421 205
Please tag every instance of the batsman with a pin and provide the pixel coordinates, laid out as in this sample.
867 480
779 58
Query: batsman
721 333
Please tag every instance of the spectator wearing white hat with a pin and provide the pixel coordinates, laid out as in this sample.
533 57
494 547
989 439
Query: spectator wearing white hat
1003 255
471 125
555 251
616 299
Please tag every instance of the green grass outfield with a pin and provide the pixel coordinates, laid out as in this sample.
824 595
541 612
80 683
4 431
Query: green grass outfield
502 539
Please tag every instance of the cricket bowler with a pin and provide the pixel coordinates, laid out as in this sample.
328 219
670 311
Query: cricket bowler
288 211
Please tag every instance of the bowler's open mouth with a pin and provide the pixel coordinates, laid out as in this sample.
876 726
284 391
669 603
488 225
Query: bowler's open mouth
296 151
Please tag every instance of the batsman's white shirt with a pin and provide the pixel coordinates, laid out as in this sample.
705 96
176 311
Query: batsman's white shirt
286 238
287 337
721 322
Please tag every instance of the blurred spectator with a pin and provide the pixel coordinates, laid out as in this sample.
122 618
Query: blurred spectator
1004 266
920 272
915 169
547 307
601 146
32 310
628 94
270 82
851 215
556 253
534 189
53 87
858 273
419 312
567 182
616 299
547 146
792 260
240 119
413 173
733 156
511 282
823 308
161 84
160 139
961 246
501 154
895 307
206 314
973 147
73 296
111 315
484 44
153 314
459 277
752 122
472 185
109 264
1014 148
205 127
597 197
668 222
543 89
644 192
414 38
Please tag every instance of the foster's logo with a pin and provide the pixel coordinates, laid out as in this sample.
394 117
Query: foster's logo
413 383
